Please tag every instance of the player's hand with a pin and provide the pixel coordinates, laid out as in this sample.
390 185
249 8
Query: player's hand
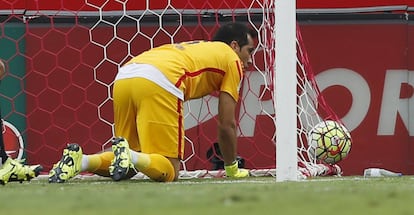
233 171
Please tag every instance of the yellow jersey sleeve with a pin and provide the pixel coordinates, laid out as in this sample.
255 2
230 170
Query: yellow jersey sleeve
198 68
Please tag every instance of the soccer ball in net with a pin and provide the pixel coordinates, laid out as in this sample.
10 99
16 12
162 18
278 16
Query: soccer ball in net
329 142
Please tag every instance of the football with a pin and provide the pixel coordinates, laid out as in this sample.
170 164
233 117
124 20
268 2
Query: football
329 142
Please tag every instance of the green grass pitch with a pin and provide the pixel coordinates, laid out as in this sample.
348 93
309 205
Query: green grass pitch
256 195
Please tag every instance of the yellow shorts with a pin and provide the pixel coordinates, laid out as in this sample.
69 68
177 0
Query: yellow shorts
149 117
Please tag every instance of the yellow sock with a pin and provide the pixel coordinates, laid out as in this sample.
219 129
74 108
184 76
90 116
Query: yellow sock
156 167
99 163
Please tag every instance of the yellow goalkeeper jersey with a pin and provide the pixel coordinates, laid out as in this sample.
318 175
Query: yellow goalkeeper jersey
198 68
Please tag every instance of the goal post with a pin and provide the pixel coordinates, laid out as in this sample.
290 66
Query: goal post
285 83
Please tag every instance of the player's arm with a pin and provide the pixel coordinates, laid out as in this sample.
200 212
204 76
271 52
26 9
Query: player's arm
227 135
227 128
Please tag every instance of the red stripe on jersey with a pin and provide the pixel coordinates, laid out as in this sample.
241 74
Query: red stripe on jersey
239 69
180 128
196 73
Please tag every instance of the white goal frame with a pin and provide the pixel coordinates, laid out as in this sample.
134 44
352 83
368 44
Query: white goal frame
285 83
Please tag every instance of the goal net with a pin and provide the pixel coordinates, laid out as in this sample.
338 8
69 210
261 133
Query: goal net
63 59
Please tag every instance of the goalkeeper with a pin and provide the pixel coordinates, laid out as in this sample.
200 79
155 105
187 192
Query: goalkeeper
148 96
11 169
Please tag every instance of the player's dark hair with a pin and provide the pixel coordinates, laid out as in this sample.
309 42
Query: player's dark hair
234 31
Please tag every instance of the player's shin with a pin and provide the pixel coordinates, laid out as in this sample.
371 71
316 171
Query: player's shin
155 166
99 163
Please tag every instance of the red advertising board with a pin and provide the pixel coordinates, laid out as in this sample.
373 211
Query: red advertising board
368 61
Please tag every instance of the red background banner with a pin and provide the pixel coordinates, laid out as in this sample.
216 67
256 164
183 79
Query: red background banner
371 50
